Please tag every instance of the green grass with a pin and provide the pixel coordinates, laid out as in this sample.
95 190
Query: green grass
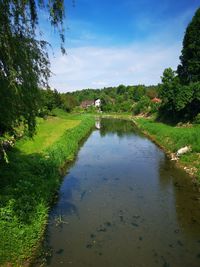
48 132
173 138
29 182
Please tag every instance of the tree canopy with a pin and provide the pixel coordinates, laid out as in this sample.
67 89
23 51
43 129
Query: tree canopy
24 62
189 69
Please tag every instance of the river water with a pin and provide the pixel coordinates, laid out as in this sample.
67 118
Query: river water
124 204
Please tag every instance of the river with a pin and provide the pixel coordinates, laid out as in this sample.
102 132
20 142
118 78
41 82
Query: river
124 204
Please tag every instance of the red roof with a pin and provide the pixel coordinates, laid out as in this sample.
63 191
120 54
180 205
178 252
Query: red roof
87 103
156 100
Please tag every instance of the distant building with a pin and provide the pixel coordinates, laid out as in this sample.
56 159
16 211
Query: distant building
156 100
97 103
87 103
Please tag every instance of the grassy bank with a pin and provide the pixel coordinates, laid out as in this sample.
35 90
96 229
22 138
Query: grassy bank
30 180
172 138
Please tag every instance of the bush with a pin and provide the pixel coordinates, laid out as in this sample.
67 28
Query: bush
142 106
197 119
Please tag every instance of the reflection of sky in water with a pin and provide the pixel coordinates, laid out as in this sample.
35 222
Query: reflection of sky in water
124 204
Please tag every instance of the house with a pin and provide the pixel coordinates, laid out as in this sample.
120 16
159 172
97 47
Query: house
97 103
87 103
156 100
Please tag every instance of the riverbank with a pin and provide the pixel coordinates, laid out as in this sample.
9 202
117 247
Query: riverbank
170 139
30 180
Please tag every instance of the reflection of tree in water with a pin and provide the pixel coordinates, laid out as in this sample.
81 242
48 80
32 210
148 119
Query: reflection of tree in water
186 197
119 127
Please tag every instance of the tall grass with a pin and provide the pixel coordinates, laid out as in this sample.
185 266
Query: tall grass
28 184
174 137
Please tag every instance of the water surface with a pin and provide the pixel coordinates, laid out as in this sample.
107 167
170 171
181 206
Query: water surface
123 204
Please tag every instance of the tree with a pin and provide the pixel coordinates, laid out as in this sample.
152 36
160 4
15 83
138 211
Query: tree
139 92
49 99
68 102
121 89
189 69
178 101
142 106
168 92
24 63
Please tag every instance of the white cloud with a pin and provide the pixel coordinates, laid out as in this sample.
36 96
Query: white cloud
96 67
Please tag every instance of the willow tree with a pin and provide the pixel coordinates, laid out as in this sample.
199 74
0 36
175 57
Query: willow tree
24 62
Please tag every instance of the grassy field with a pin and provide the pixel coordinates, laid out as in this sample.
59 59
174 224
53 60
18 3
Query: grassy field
173 138
30 180
48 132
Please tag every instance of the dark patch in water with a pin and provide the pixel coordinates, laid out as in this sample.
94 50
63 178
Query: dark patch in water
136 216
135 224
108 224
69 208
101 229
121 216
165 264
179 243
60 251
89 245
92 236
83 194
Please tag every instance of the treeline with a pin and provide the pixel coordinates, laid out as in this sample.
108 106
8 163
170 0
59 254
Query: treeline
118 99
113 99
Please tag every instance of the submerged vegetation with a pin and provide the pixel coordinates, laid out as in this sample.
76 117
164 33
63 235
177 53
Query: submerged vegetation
30 180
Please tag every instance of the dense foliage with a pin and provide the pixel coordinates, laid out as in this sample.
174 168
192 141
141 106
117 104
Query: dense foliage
117 99
189 69
24 64
180 91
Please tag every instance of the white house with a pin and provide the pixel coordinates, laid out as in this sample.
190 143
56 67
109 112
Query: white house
97 103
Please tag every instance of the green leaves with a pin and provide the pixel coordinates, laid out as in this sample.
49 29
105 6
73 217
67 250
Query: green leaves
189 69
24 62
181 94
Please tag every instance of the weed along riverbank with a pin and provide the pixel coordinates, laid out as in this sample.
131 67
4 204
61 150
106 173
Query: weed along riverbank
30 180
172 138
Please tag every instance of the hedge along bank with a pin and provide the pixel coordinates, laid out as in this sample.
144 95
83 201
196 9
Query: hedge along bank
28 184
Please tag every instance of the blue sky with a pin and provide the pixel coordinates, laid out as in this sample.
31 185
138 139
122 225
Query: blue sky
122 41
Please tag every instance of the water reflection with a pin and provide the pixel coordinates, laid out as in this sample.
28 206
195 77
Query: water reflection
119 127
124 204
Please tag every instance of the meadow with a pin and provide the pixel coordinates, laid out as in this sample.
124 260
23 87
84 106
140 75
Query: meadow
30 180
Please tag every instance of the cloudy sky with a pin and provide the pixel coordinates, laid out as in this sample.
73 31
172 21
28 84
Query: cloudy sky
112 42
